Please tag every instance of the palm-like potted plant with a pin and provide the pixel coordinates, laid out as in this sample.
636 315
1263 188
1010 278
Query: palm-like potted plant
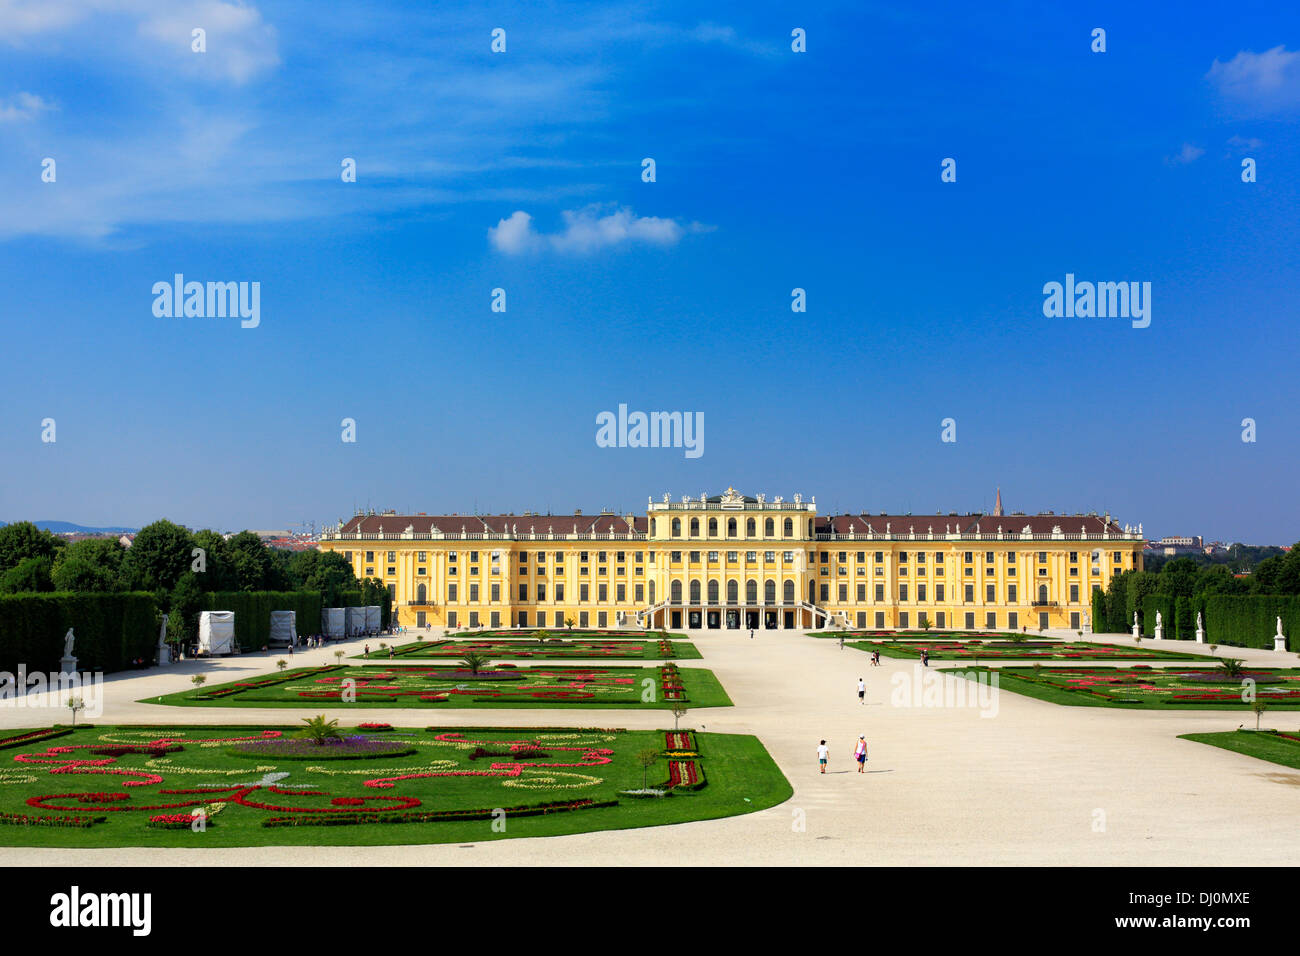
474 662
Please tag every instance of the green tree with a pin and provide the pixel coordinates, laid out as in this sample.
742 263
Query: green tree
183 604
1138 585
92 564
22 540
218 572
251 563
1217 579
1178 578
29 575
647 759
159 555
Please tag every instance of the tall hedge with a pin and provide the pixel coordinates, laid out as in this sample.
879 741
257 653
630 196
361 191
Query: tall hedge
111 631
1099 623
1163 603
1185 609
1250 620
253 612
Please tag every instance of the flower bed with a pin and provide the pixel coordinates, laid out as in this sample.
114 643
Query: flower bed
346 748
33 736
430 816
27 820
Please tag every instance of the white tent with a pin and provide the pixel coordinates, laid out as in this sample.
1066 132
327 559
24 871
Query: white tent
373 617
284 627
356 618
334 622
216 632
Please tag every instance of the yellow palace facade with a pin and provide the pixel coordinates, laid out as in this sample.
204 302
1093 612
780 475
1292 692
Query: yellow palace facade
735 561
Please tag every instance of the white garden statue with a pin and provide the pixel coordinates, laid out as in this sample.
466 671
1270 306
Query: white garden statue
1279 639
69 639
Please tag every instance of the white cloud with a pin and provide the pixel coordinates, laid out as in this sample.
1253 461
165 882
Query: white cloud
514 235
1263 82
1188 154
23 106
588 230
239 44
1245 142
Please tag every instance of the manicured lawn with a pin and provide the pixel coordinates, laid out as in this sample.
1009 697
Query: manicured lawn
1275 747
1137 687
443 785
977 650
932 635
401 685
557 647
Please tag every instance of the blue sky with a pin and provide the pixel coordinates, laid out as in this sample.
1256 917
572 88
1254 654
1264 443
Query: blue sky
775 170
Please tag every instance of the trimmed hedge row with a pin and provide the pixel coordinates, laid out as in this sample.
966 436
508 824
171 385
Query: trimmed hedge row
1251 620
111 629
1162 603
253 612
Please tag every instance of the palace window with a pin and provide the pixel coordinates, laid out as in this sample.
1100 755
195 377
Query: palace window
559 592
695 527
451 592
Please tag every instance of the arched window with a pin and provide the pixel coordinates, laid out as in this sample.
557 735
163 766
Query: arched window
420 594
713 527
769 528
695 592
751 529
677 527
751 591
812 592
713 592
769 592
733 593
731 527
676 591
695 527
787 591
1042 594
788 528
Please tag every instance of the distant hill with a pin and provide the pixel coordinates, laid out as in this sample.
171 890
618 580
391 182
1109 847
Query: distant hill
67 527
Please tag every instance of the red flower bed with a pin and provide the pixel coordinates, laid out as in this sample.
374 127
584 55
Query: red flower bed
430 816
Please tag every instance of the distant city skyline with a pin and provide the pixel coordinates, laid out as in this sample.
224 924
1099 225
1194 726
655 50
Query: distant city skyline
774 171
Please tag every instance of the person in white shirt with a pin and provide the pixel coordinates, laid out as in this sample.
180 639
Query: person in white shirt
862 691
823 754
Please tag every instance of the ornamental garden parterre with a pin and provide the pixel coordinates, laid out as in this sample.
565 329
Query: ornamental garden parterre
142 786
503 685
514 648
1228 687
976 649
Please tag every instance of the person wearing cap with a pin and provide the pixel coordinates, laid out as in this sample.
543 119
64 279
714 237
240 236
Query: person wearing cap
860 754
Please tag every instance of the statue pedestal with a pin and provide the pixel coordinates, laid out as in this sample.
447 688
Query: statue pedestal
1200 635
68 665
1137 631
164 655
1160 632
1279 642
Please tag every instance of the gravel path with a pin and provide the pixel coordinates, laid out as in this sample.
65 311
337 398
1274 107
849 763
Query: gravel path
1032 783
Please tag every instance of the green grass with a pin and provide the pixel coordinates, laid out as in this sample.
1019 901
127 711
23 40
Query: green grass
443 686
740 777
1150 689
556 648
1264 744
1034 649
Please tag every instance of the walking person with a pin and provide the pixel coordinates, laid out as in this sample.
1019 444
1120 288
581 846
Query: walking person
751 633
860 754
925 657
862 691
823 754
